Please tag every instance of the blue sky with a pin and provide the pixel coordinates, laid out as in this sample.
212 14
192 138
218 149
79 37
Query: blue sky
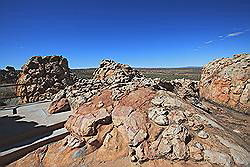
142 33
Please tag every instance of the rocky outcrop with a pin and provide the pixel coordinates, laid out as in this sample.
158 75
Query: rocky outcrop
8 75
186 88
144 126
43 77
141 122
110 72
120 78
112 75
226 81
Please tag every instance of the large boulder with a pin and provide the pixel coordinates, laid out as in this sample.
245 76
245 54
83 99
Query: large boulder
227 81
43 77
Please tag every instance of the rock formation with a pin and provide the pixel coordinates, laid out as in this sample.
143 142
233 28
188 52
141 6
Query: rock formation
108 74
226 81
8 75
112 72
43 77
131 120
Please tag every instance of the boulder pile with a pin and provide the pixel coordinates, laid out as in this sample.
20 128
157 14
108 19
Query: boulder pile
43 77
126 120
112 72
226 81
112 75
8 75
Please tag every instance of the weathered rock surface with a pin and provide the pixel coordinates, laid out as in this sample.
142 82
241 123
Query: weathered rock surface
186 88
110 75
44 77
140 122
59 103
226 81
8 75
111 72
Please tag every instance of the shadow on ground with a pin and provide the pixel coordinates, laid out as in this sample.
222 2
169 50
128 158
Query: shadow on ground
16 133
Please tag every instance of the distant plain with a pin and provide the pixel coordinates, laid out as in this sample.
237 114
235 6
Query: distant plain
193 73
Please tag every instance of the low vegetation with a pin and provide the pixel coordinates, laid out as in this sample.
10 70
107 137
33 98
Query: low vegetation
163 73
7 92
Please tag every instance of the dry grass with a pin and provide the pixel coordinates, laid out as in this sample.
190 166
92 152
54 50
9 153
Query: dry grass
84 73
172 73
163 73
8 92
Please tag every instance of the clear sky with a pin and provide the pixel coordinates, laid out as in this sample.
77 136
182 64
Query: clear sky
142 33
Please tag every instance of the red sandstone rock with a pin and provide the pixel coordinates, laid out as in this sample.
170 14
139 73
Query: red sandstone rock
227 81
59 106
128 131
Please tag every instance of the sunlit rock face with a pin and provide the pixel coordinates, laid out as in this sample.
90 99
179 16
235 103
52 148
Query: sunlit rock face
44 76
109 74
140 122
110 71
227 81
